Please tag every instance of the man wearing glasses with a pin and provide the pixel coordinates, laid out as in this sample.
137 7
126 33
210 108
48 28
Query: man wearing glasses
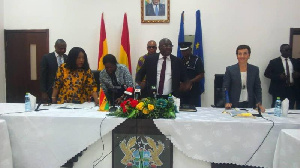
151 47
165 73
283 72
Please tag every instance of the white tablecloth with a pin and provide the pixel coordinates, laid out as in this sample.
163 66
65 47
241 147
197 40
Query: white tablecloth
5 149
49 138
212 136
287 153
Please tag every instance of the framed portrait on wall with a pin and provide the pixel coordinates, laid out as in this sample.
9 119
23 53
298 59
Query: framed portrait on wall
155 11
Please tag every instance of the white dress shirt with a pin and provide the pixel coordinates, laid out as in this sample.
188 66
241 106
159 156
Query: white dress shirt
290 67
244 92
59 57
168 74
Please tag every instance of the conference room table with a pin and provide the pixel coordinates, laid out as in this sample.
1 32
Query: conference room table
48 138
5 148
287 153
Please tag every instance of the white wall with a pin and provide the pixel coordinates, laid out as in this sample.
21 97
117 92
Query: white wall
262 24
2 57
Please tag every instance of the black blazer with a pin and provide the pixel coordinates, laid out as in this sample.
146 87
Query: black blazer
149 69
273 71
232 82
48 72
150 10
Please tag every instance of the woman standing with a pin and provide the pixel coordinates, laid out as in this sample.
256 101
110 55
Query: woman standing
74 82
242 82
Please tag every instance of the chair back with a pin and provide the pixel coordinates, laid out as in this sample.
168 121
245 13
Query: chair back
218 91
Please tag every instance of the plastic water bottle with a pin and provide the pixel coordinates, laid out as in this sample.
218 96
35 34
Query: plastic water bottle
27 103
277 109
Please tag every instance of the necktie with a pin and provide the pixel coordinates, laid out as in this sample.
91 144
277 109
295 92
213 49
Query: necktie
156 10
59 61
287 71
162 77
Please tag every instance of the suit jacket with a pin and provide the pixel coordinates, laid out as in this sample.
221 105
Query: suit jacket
48 71
150 10
273 71
232 82
149 69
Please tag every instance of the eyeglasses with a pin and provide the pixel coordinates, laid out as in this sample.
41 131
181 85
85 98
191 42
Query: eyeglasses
167 46
151 47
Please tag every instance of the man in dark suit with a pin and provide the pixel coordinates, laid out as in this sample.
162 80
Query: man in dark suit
49 65
283 72
155 8
164 71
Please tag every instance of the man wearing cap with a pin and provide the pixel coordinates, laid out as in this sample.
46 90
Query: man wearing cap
195 72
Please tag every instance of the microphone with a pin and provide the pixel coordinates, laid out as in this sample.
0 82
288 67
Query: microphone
137 92
258 109
154 90
128 93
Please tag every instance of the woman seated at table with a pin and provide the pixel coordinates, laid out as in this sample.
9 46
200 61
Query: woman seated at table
242 82
74 82
114 79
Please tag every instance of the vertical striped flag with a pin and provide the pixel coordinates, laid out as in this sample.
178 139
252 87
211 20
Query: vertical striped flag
198 47
181 34
125 45
103 103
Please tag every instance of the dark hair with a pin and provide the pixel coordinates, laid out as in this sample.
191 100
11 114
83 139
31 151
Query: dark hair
72 57
283 46
60 41
109 58
240 47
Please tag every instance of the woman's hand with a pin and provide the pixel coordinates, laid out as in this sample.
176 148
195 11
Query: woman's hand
262 109
54 100
96 99
228 106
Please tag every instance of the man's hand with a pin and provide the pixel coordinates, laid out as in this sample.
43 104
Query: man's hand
228 106
143 84
45 97
282 76
295 74
118 101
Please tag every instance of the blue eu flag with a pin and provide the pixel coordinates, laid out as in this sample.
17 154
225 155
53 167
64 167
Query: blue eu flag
198 48
181 35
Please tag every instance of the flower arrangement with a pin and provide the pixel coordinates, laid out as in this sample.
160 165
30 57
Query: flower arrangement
148 108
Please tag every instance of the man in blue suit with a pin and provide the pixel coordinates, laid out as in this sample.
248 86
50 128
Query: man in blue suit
155 8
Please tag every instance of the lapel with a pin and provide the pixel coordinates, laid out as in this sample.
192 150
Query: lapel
249 74
172 64
280 65
54 60
238 75
154 69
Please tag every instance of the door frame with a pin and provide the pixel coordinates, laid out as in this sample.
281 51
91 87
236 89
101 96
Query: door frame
7 31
